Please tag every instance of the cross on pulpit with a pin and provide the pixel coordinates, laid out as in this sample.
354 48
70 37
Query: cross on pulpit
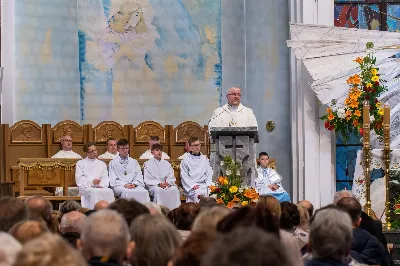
233 149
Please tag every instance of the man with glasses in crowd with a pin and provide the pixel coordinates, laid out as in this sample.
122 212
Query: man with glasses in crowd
126 177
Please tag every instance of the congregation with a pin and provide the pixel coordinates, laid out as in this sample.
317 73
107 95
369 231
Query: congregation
127 232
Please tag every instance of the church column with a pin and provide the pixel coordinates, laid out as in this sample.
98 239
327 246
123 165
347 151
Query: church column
313 147
7 61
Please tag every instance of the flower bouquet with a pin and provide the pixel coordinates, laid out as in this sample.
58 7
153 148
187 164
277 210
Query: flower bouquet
363 87
228 190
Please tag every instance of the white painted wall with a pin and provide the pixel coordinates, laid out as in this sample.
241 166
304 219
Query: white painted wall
313 147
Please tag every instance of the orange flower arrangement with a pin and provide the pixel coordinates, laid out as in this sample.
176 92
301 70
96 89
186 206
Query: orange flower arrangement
228 190
365 86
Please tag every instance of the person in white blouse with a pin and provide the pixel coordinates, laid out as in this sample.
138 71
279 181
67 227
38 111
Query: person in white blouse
66 149
160 180
126 177
92 178
112 151
196 172
147 154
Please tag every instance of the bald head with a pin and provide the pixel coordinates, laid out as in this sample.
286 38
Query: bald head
72 222
342 194
352 207
308 205
27 230
101 205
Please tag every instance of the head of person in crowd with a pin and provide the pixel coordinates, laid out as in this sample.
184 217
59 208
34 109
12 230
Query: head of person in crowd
246 246
164 210
353 208
9 249
105 235
156 240
290 217
271 203
184 216
101 205
308 205
129 209
66 207
193 249
304 218
342 194
27 230
71 226
49 250
12 211
259 217
40 209
330 234
206 202
153 208
208 219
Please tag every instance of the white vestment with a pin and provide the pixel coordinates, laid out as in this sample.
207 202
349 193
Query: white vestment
227 116
86 171
183 156
127 171
72 191
266 177
156 172
195 170
147 155
108 155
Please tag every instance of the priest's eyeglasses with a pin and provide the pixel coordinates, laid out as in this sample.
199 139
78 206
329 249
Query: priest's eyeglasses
235 94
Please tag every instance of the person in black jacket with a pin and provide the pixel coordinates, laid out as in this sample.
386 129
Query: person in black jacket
364 247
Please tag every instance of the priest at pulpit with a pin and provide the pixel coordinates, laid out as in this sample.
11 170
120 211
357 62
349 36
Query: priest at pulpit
92 178
233 114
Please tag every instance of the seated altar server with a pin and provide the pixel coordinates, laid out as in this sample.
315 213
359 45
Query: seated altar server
160 180
92 178
268 181
196 172
66 150
126 177
112 151
147 154
66 153
187 149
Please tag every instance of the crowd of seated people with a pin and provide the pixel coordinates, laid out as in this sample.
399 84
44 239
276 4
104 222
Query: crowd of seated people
127 232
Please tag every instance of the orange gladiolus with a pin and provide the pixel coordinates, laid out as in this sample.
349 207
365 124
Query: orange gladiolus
231 204
235 199
357 113
331 116
221 179
355 123
212 188
356 79
220 201
359 60
354 104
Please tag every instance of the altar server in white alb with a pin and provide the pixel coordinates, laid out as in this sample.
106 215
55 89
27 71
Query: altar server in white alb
233 114
160 180
92 178
196 172
126 177
268 181
66 150
147 154
112 151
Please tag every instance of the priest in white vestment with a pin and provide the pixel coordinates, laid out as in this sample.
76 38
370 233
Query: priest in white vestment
147 154
66 153
66 150
196 172
91 176
187 151
126 177
112 151
160 180
233 114
268 181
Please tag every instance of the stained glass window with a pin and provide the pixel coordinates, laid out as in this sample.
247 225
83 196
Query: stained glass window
367 14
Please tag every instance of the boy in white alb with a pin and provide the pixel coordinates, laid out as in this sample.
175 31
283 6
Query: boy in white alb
160 180
126 177
112 151
268 181
92 178
147 154
196 172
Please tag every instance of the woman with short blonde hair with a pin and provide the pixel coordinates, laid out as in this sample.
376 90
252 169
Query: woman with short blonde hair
156 240
271 203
